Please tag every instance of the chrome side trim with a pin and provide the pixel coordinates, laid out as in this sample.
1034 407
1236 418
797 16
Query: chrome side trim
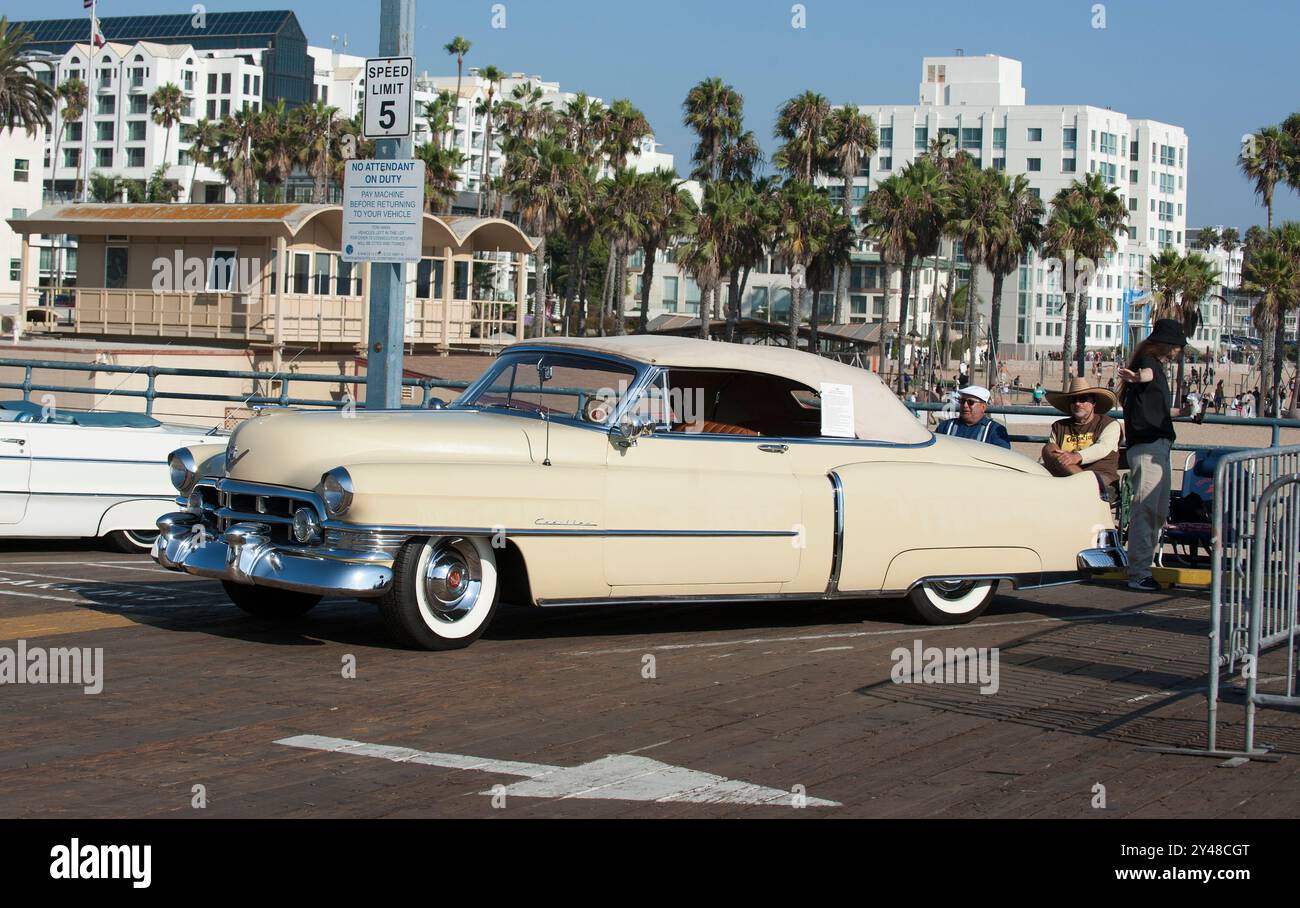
837 549
541 531
720 600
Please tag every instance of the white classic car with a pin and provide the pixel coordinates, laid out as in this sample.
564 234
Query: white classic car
75 473
625 469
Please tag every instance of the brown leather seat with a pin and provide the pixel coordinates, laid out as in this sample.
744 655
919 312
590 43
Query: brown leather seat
710 427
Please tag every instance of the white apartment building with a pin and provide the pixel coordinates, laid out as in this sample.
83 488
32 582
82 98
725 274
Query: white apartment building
981 104
20 194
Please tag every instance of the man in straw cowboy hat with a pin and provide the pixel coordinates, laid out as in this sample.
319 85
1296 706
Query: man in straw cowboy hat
1088 439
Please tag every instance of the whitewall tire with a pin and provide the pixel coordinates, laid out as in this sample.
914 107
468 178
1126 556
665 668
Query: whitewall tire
951 601
444 594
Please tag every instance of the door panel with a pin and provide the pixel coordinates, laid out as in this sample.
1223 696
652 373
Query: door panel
15 471
736 507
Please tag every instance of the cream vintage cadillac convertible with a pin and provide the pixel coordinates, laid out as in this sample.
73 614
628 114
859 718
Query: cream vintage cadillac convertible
626 469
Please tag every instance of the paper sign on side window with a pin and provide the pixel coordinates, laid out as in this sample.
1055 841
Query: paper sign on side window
837 410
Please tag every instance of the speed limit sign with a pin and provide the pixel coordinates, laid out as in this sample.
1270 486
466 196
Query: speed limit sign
388 97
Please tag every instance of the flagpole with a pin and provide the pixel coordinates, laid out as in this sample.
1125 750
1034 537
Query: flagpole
90 95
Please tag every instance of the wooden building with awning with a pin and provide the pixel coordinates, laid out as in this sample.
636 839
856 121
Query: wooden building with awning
273 276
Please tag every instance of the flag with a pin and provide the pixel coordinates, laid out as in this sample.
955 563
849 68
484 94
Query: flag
87 4
96 33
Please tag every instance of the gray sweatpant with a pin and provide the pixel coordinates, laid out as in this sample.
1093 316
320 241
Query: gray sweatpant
1151 474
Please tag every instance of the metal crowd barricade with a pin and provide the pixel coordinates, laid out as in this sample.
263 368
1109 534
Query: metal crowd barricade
1275 580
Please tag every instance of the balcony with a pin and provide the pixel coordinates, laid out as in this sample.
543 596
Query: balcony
304 319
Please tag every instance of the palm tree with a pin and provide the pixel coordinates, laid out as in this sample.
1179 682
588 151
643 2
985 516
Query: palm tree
318 145
1020 229
233 155
1266 163
1271 273
105 188
1208 238
75 96
276 145
580 227
666 210
439 112
538 176
800 236
700 255
167 105
441 175
753 226
801 124
979 218
712 109
457 47
620 199
205 147
834 253
25 101
853 137
1230 240
1090 215
493 77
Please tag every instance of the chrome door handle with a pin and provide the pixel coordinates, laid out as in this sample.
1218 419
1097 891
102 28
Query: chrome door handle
774 449
14 441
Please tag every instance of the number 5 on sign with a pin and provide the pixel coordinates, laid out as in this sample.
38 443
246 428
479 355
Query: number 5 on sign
388 97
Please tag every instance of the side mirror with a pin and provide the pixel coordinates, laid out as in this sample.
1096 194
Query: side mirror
625 434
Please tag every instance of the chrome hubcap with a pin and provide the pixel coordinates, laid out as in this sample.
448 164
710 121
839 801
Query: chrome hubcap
452 579
952 589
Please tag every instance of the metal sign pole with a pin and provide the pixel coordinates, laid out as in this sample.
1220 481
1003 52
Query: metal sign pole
388 280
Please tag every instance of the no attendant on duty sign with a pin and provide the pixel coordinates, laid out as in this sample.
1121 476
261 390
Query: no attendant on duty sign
383 211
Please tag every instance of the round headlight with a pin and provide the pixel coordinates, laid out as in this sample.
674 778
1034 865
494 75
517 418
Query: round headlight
306 526
336 491
183 472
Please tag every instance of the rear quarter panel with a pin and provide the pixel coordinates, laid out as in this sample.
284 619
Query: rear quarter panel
907 521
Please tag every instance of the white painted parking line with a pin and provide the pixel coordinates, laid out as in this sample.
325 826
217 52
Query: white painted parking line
848 635
617 777
173 589
830 649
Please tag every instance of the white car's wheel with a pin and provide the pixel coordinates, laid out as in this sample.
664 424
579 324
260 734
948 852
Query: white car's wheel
445 591
951 601
133 542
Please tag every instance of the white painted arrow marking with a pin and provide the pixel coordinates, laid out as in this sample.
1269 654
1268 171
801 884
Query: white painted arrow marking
617 777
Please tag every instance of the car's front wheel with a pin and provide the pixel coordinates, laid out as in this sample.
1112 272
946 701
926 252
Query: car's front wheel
133 542
951 601
265 602
444 593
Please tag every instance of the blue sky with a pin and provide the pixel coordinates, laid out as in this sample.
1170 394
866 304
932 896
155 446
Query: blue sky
1216 69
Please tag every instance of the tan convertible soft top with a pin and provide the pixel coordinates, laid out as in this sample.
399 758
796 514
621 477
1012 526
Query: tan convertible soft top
878 415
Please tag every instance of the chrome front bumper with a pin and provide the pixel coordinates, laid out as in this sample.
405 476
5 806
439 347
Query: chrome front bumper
1108 555
244 553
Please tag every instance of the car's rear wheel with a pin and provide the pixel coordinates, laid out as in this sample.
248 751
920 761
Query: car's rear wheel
951 601
444 594
133 542
266 602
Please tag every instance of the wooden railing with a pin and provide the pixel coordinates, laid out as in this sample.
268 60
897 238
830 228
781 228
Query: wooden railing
306 319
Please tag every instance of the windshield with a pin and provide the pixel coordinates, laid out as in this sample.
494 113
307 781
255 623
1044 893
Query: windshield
566 385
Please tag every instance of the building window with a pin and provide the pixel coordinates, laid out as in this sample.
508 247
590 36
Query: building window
1035 134
669 297
1033 165
135 157
107 105
115 267
212 83
757 304
72 157
1133 150
999 137
104 132
999 163
1069 137
103 157
212 109
139 105
246 79
972 138
921 138
1067 165
73 133
16 269
886 137
225 83
887 163
21 168
257 85
225 106
135 130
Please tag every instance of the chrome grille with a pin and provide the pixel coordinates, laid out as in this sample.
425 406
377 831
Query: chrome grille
365 540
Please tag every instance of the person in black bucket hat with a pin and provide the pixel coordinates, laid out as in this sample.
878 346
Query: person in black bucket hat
1144 393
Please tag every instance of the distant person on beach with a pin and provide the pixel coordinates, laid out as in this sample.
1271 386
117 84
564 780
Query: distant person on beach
1144 391
973 421
1039 392
1218 398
